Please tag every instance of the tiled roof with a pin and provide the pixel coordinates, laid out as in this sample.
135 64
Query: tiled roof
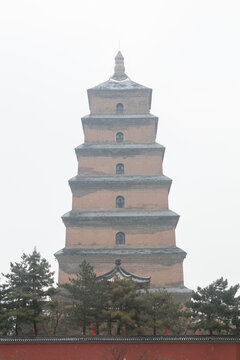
121 273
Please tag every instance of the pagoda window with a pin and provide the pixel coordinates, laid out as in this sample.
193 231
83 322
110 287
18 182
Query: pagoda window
120 238
120 202
120 169
119 137
119 108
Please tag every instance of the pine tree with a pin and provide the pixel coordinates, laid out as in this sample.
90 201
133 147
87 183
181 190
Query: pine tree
27 290
5 320
215 308
163 311
122 304
83 293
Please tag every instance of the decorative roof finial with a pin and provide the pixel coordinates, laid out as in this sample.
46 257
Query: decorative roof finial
118 262
119 69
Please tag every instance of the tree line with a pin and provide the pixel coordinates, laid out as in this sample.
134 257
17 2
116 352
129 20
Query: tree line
30 305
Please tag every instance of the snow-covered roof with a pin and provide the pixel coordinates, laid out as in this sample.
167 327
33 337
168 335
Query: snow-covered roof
119 80
125 84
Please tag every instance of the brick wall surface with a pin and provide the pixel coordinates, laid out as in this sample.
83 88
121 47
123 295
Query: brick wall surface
104 103
105 236
161 275
129 351
134 199
133 165
141 134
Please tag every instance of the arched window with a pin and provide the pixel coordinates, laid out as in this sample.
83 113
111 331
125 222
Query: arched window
120 238
120 203
119 169
119 108
119 137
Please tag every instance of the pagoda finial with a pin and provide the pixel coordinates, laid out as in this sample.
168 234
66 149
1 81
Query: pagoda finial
119 69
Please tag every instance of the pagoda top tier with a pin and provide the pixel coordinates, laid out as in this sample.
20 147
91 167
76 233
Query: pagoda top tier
119 80
118 86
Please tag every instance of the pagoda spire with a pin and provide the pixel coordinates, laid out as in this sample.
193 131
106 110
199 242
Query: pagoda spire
119 69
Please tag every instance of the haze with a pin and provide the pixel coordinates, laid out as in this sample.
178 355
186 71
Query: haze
188 52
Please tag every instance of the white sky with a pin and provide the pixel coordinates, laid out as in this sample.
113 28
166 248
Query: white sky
188 52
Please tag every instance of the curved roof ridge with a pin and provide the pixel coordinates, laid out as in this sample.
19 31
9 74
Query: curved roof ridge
118 269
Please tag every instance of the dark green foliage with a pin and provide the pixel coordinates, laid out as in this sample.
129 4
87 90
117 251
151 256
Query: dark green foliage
163 312
122 305
215 308
28 301
85 295
26 293
5 320
57 313
91 301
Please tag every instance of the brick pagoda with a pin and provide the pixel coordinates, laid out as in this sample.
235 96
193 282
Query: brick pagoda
120 195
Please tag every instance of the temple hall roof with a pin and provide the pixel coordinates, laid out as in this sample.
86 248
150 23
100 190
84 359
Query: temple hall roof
121 273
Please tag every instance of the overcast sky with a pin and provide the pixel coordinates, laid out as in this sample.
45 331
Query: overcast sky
188 52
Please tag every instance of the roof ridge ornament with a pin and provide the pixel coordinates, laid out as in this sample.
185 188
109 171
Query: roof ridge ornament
118 262
119 69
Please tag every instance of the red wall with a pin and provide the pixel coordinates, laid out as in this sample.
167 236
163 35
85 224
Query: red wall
103 351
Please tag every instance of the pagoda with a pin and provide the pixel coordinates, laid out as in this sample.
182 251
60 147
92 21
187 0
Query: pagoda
120 195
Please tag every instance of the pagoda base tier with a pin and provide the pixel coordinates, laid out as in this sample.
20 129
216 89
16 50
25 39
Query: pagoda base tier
181 293
164 265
